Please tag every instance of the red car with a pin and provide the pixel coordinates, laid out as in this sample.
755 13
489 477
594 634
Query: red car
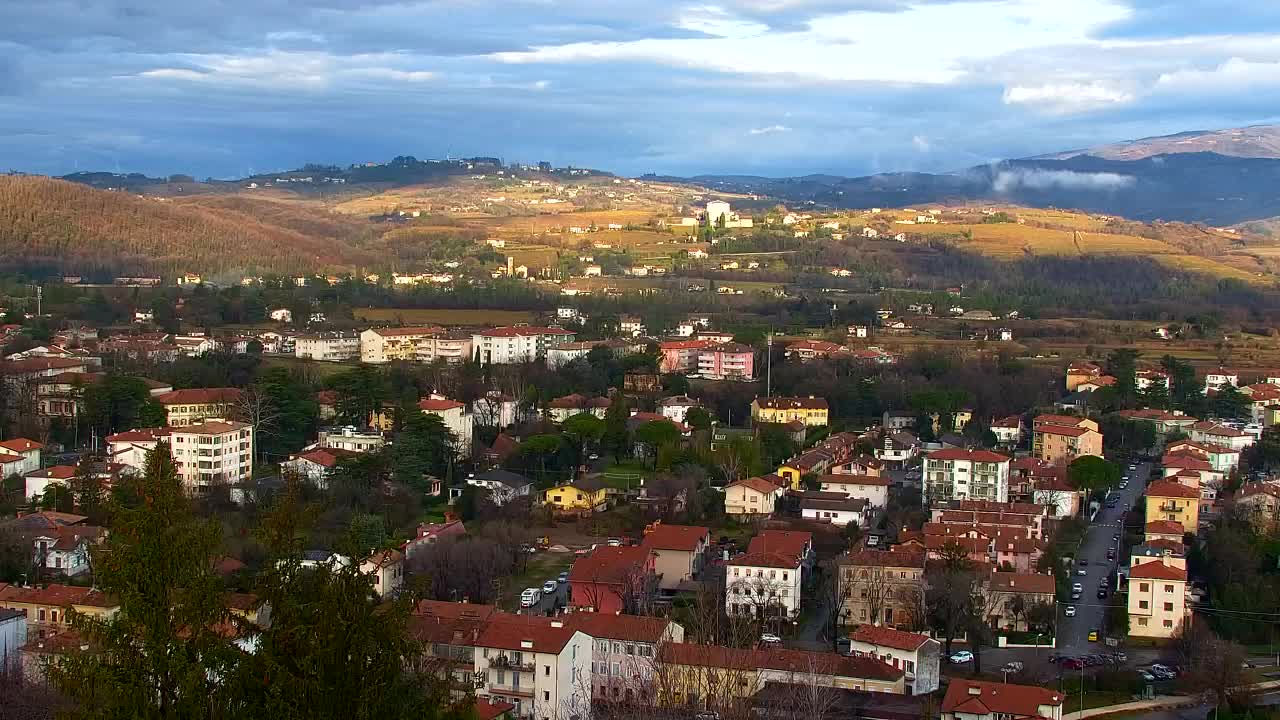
1073 663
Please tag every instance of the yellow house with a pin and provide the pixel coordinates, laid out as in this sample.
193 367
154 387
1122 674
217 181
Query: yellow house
811 411
719 678
192 405
580 496
1174 502
813 462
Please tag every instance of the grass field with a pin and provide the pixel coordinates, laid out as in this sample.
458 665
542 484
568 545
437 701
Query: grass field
429 316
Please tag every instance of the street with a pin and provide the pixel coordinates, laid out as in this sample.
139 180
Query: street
1090 611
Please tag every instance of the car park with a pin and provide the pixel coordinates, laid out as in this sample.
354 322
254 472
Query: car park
530 597
962 656
549 586
1070 611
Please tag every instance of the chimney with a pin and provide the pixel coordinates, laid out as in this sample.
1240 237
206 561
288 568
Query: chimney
975 690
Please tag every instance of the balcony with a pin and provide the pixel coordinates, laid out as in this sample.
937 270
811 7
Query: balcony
510 690
502 662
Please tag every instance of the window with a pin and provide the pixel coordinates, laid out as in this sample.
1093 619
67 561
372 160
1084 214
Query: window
546 696
784 575
1142 604
1168 607
616 669
1144 587
1142 622
1168 623
546 670
1168 588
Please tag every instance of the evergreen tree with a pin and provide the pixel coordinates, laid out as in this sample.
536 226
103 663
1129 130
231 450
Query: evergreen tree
160 655
616 438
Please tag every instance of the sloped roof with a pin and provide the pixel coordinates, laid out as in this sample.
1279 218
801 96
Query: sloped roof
1164 527
200 396
765 559
1156 570
758 484
20 445
1164 488
609 565
889 637
984 698
884 558
675 537
438 404
633 628
790 542
983 456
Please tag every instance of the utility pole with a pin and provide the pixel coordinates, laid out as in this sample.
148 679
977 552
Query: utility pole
39 300
768 363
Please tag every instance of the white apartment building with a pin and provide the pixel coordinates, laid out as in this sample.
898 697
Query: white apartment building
624 652
328 346
918 656
349 438
873 489
510 345
27 450
383 345
763 584
451 347
677 407
455 417
1157 599
956 474
211 453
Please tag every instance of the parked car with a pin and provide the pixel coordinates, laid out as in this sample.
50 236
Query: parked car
1070 611
563 577
549 586
1082 572
962 656
770 639
1073 663
1075 595
1102 593
1146 676
1093 636
615 542
1012 666
1077 587
530 597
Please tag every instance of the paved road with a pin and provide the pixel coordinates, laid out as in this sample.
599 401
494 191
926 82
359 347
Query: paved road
1091 611
550 601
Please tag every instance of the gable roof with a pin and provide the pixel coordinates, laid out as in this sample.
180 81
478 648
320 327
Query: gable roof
675 537
326 457
888 637
1156 570
20 445
438 404
1164 527
632 628
1164 488
767 559
1012 582
199 396
985 698
790 542
885 558
757 484
609 565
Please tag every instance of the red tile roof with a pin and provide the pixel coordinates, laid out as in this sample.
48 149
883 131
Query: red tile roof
758 484
53 594
525 632
1165 527
54 472
200 396
406 331
675 537
1185 462
487 710
1013 421
888 637
986 698
438 404
20 445
1063 420
326 457
1012 582
1166 489
799 661
1061 430
1156 570
139 435
620 627
983 456
789 542
766 559
609 565
884 558
522 331
1216 430
855 480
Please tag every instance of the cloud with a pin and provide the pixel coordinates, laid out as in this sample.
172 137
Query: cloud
769 130
1007 181
1066 98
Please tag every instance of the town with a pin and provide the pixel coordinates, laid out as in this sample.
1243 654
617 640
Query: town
588 510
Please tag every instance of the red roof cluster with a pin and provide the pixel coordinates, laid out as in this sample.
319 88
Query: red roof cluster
975 697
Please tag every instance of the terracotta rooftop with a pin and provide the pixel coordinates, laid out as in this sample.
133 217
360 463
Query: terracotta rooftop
1166 489
675 537
200 396
20 445
974 697
1011 582
1156 570
791 542
609 565
884 558
1164 527
438 404
620 627
888 637
758 484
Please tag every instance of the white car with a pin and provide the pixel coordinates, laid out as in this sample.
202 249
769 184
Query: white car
1077 587
770 639
963 656
530 597
1070 611
549 586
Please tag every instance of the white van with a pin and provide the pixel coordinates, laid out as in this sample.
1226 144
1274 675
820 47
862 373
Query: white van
530 597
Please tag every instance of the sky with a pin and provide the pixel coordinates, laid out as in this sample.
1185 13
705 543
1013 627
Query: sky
226 88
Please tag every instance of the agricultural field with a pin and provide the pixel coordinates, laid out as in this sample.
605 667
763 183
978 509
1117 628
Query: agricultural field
435 316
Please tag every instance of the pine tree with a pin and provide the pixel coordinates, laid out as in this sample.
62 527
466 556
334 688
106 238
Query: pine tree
159 655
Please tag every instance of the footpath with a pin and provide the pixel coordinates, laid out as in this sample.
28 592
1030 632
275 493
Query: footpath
1164 702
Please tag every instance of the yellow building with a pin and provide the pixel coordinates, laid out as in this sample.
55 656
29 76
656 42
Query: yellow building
1059 439
1080 373
383 420
1174 502
1157 599
811 411
580 496
193 405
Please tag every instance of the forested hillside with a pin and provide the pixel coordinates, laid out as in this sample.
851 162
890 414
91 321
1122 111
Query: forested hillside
56 225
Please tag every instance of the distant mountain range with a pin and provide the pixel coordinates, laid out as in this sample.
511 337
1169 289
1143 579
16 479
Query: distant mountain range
1219 177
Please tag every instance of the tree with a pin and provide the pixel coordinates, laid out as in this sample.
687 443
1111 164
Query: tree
949 599
616 438
1211 664
160 654
1122 364
583 430
1230 403
90 492
361 391
1090 472
424 446
657 434
698 418
120 402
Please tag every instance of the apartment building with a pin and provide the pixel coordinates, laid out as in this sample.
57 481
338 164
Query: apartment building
1172 501
918 656
681 356
328 346
727 361
20 456
881 587
812 411
192 405
764 584
624 651
956 474
752 496
455 417
509 345
1157 599
1059 439
384 345
211 453
349 438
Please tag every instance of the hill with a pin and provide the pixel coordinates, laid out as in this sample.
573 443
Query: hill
1256 141
64 227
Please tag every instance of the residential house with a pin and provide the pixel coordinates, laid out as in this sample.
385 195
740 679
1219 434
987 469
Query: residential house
679 552
582 496
190 406
351 439
835 508
563 408
918 656
957 474
1212 433
317 464
1262 398
1172 530
455 417
1059 439
27 450
64 548
811 462
503 485
1008 431
1222 459
752 496
386 567
613 580
1009 594
1215 380
57 477
812 411
1165 422
981 700
624 651
495 409
898 447
763 584
1081 372
677 407
882 587
1173 501
47 606
430 533
812 349
872 488
1157 599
